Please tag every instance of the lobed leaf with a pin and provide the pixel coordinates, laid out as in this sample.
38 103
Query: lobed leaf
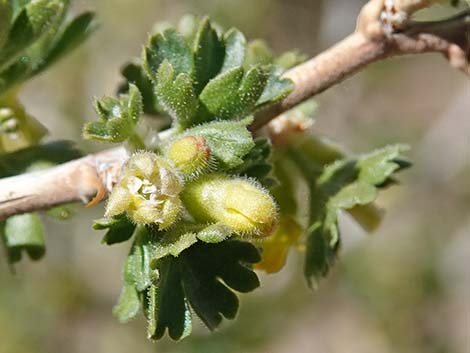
229 141
120 229
235 48
234 93
177 96
118 117
34 21
204 266
343 185
209 53
169 45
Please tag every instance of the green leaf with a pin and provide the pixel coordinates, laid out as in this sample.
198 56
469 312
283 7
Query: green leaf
6 14
120 229
255 163
135 74
24 233
205 266
61 213
229 141
172 243
276 88
34 21
258 53
209 52
167 305
74 34
233 94
290 59
183 236
118 117
214 233
235 48
137 268
171 46
343 185
128 305
176 95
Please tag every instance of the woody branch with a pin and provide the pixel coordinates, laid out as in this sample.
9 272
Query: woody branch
384 30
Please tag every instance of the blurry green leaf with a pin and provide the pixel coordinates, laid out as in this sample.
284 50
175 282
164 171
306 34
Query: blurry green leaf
128 305
34 21
167 305
24 233
44 50
233 94
258 53
176 95
61 213
74 34
56 152
120 229
235 48
118 117
209 54
290 59
342 185
171 46
203 268
6 14
228 141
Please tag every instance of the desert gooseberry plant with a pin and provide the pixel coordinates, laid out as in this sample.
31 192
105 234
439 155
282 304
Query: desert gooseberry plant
202 186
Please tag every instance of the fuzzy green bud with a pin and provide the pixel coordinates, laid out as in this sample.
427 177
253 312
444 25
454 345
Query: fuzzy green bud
148 191
190 154
242 205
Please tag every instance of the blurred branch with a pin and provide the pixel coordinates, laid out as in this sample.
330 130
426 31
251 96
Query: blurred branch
383 30
381 33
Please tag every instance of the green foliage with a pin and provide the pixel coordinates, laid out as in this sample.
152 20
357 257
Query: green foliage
118 117
171 272
341 186
229 142
209 83
34 35
204 75
119 229
184 230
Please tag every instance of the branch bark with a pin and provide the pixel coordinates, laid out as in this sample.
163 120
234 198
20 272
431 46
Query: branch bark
383 30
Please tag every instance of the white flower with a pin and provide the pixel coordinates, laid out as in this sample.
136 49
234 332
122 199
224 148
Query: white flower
148 191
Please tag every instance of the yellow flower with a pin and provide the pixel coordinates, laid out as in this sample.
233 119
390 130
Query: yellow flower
276 248
148 191
242 205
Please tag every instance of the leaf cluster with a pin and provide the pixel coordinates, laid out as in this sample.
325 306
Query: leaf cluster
34 35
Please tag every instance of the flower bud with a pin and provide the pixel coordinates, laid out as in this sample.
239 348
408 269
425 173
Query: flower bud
148 191
242 205
190 155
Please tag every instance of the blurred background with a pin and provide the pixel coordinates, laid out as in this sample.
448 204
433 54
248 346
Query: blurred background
404 289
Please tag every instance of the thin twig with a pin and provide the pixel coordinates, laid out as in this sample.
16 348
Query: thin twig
380 33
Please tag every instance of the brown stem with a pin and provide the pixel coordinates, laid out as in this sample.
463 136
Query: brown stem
372 41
